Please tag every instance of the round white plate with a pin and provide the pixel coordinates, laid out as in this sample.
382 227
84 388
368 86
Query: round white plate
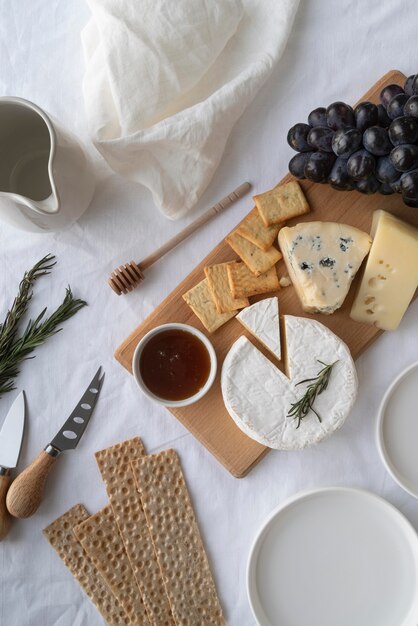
334 557
397 430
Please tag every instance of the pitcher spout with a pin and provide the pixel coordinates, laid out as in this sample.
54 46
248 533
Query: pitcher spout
49 205
23 213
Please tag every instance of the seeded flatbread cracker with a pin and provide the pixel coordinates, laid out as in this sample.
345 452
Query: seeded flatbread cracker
256 260
253 228
281 203
115 468
243 283
99 535
61 537
217 277
199 299
177 541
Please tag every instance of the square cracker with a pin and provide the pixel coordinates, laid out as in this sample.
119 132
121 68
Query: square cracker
253 228
257 260
99 535
61 537
199 299
217 277
115 468
281 203
244 283
177 541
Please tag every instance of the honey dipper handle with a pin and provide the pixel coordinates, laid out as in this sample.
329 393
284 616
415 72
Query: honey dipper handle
26 491
207 215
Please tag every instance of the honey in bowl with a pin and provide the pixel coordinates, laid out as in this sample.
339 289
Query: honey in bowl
174 364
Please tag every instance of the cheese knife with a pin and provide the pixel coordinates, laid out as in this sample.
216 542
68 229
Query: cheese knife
11 436
26 491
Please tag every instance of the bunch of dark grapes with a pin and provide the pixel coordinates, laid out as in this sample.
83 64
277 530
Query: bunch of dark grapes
372 148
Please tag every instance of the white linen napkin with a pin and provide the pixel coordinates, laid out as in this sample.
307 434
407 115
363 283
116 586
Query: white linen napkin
166 81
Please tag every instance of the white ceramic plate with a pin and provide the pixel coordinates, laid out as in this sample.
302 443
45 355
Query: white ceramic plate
335 557
397 430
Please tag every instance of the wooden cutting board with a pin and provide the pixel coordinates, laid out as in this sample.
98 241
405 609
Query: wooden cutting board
208 419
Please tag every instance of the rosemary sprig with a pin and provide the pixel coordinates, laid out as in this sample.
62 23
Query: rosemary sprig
14 349
9 328
319 383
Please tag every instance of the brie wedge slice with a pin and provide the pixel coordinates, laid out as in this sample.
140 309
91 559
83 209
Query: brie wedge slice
262 320
322 259
258 396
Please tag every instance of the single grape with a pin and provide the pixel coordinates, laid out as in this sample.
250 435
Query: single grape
396 185
368 185
320 137
411 107
366 115
396 106
297 164
376 141
318 117
385 189
415 86
297 137
409 85
409 183
388 93
318 166
340 115
346 141
383 118
404 157
404 130
360 165
409 201
339 178
385 172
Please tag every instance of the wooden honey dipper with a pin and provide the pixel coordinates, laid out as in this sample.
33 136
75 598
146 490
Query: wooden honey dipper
127 277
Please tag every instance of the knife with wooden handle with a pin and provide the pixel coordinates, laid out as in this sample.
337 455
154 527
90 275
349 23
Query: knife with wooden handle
11 436
25 493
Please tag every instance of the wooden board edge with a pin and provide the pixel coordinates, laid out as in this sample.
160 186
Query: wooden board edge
256 461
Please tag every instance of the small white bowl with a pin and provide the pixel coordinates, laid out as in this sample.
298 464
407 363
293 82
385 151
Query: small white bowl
397 429
193 331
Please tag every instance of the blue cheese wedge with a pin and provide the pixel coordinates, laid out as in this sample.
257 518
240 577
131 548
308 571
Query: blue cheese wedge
258 396
262 320
322 259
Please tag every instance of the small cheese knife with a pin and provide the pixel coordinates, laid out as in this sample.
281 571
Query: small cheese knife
11 436
25 493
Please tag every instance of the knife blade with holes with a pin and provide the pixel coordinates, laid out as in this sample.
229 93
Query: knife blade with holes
25 493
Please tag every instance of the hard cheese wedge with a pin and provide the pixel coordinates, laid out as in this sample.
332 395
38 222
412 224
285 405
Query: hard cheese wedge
258 396
391 274
262 320
322 259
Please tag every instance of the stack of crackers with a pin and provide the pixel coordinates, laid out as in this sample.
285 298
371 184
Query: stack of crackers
140 559
227 286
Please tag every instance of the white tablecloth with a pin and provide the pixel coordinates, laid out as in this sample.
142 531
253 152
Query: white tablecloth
336 51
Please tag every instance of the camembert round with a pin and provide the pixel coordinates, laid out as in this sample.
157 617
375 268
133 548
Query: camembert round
258 396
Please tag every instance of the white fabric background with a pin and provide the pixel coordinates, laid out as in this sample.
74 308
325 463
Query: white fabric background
167 129
336 50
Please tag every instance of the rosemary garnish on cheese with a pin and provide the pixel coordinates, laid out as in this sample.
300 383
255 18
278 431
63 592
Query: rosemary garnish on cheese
319 383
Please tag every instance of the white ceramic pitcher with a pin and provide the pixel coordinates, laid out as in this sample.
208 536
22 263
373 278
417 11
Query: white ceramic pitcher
46 178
